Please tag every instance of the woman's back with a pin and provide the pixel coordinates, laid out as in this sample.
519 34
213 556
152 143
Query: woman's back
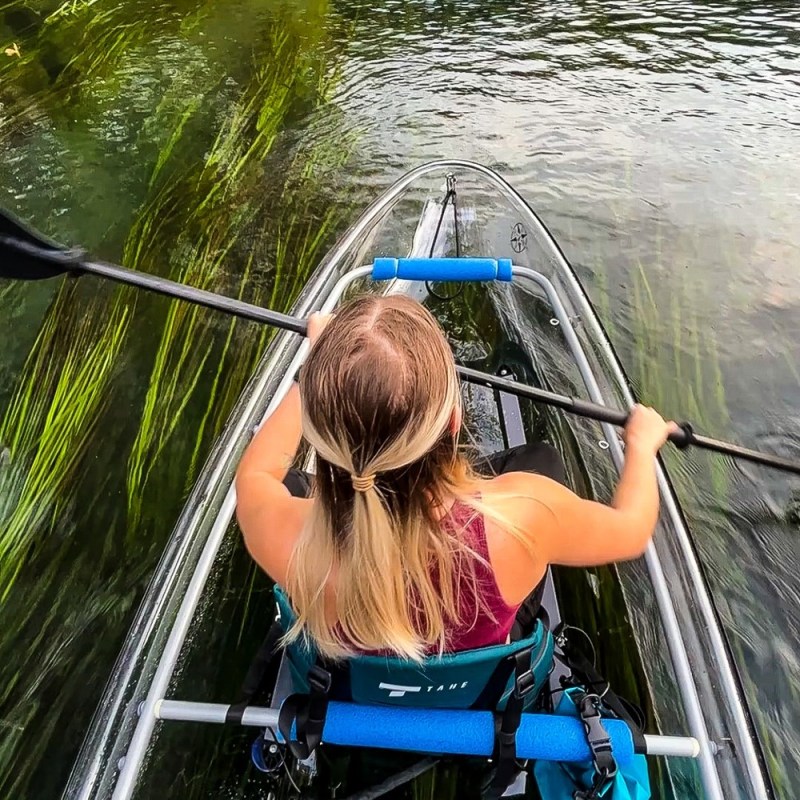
483 617
366 560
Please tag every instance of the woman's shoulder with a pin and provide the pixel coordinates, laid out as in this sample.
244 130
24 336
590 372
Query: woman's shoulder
524 505
521 490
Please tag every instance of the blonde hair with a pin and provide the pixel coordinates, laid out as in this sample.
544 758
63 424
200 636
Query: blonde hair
379 393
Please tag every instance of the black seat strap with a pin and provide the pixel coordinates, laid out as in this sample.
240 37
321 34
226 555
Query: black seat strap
507 723
256 673
307 712
495 687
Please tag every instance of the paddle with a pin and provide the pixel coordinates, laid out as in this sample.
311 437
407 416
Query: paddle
25 254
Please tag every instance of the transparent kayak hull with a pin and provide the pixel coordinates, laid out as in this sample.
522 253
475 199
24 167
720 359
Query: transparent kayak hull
541 327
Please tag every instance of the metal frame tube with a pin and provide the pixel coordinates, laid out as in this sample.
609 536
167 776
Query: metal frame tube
677 746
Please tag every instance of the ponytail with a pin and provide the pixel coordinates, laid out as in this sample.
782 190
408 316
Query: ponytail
383 567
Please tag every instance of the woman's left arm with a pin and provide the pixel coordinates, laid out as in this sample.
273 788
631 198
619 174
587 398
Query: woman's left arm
269 517
274 447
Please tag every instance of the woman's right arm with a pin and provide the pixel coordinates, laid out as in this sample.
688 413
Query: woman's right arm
577 532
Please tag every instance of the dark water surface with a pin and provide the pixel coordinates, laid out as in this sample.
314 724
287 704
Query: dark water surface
227 144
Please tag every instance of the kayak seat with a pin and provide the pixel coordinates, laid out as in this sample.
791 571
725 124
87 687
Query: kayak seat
483 678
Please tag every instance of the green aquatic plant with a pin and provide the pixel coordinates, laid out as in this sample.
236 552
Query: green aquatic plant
229 213
672 356
47 427
62 50
242 232
70 8
300 226
177 141
672 360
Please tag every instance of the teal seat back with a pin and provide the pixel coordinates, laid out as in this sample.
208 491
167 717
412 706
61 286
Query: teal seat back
453 680
299 654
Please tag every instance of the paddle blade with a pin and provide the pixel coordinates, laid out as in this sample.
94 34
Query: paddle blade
27 255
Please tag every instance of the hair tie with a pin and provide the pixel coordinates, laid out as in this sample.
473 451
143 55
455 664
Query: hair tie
363 483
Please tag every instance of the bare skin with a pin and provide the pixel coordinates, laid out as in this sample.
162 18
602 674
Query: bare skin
559 526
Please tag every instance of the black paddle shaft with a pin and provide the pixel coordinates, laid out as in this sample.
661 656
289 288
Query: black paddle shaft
26 254
681 438
30 259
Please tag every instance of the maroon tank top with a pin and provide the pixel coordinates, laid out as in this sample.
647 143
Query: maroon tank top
487 619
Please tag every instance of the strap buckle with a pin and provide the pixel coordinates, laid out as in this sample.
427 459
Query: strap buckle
598 738
307 712
525 684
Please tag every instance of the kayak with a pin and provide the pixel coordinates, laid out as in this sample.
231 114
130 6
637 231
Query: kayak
457 237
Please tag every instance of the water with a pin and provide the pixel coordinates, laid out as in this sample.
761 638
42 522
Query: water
655 138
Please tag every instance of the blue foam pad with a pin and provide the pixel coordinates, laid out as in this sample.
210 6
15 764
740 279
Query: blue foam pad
543 737
442 269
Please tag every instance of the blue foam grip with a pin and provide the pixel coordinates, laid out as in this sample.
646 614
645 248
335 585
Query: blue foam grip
546 737
442 269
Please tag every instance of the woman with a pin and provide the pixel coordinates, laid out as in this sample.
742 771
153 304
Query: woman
403 547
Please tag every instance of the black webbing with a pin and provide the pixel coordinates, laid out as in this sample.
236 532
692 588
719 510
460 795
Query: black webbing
495 687
595 683
507 723
307 712
256 674
599 741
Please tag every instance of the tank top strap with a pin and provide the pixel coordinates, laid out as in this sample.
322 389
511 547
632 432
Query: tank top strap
487 618
472 527
470 521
